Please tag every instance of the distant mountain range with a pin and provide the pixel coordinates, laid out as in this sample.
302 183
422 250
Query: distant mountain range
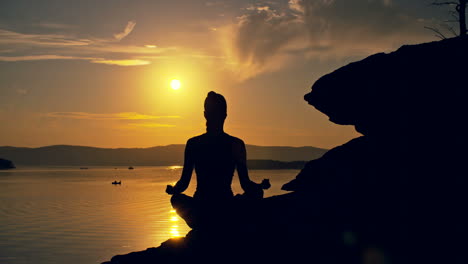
64 155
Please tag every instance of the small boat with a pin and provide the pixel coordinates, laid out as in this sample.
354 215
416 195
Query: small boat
117 182
83 168
130 168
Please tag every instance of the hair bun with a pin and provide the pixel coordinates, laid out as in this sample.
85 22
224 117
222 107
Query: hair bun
215 103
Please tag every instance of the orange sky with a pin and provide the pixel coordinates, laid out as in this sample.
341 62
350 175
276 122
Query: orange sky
98 73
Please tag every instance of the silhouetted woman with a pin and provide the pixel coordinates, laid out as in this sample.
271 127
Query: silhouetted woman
214 155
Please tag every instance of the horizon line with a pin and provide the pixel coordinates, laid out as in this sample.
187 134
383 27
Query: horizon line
67 145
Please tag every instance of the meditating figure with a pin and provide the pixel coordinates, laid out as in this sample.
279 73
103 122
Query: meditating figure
214 155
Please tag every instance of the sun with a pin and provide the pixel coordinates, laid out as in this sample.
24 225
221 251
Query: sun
175 84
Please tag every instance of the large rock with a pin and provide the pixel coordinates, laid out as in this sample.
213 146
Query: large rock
418 87
6 164
402 186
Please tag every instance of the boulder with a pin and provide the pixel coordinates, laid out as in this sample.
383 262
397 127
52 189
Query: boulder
401 186
6 164
418 88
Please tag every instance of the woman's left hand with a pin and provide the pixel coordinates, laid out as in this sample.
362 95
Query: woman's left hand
170 189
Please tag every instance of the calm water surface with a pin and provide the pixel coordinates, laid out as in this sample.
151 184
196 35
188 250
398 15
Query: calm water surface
68 215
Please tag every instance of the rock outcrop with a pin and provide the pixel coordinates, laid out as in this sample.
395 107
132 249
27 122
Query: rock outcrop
403 184
6 164
417 88
398 194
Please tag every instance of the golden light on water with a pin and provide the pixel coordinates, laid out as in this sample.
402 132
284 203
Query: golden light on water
175 84
174 230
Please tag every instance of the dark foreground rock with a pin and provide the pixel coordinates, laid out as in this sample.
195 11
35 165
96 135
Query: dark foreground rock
404 183
398 194
231 245
6 164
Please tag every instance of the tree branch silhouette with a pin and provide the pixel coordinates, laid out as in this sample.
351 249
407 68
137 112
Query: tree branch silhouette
459 15
438 33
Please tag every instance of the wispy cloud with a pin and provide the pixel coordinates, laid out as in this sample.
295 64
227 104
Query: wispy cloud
128 29
257 8
267 36
295 5
122 62
129 62
43 57
113 116
124 120
127 49
255 43
11 37
32 47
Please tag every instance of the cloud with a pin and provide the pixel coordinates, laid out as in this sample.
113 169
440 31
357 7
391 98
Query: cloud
122 62
295 5
264 39
359 27
42 57
32 47
125 120
128 29
114 116
127 49
18 46
258 8
14 38
46 40
129 62
258 38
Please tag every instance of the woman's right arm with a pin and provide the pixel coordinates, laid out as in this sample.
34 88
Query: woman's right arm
189 164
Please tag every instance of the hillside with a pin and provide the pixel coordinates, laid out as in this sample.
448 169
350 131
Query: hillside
64 155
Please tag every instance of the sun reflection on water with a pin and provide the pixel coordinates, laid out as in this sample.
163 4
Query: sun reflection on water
174 230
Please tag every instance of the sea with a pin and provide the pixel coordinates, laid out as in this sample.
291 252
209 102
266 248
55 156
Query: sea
76 215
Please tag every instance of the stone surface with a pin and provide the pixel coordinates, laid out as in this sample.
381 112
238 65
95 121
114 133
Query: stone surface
411 88
403 184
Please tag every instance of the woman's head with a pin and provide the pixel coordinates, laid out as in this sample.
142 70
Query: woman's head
215 107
